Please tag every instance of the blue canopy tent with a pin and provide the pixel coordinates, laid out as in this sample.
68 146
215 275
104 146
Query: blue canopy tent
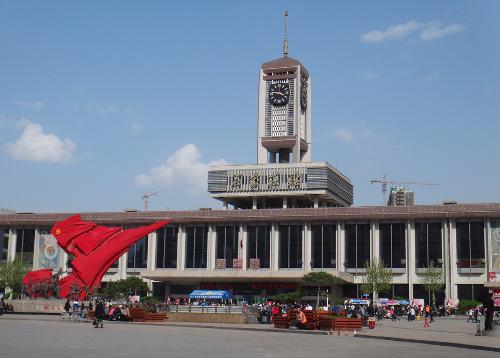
224 295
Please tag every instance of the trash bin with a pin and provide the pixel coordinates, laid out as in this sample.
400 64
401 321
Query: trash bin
265 317
371 323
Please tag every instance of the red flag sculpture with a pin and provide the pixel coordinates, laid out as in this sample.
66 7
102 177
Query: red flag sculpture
95 249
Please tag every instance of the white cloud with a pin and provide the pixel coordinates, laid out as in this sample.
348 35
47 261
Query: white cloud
136 128
345 135
369 75
183 168
427 31
34 145
392 32
36 105
435 30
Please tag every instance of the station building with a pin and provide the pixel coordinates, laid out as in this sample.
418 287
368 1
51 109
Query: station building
281 218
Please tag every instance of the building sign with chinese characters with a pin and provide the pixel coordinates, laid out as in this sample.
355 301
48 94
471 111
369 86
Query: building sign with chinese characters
270 179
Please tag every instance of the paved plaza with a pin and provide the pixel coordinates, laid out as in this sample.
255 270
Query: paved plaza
39 337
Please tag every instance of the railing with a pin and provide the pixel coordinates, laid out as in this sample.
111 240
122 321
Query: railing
209 309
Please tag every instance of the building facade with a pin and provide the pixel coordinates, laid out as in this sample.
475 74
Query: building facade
291 216
263 252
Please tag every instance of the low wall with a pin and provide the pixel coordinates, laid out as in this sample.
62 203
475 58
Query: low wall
206 317
37 306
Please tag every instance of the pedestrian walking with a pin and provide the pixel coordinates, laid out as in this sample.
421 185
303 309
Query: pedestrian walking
426 321
99 314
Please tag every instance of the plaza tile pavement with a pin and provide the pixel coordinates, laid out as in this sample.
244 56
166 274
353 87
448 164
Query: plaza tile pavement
451 331
35 337
454 332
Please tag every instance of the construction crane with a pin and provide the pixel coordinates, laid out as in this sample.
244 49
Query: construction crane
146 197
384 181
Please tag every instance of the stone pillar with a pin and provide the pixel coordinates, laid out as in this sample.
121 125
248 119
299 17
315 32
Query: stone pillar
181 248
254 203
341 247
274 247
11 251
243 250
35 249
211 248
152 246
452 260
224 204
122 267
307 247
375 240
285 203
410 256
316 203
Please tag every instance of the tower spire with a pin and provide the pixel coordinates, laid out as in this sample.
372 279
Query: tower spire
285 42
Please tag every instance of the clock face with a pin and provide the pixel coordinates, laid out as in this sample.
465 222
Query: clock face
279 94
303 96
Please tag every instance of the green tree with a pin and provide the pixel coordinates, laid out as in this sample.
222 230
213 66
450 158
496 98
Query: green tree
378 278
433 280
11 276
122 288
319 278
289 297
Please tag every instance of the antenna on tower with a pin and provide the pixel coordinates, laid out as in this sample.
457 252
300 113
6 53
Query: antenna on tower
285 42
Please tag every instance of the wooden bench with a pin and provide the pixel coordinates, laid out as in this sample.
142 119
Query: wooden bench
137 314
155 317
347 324
280 321
325 322
312 320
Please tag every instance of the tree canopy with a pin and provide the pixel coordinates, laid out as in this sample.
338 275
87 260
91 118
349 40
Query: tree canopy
11 275
433 280
378 278
320 278
122 288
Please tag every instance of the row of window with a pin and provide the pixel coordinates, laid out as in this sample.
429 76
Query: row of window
428 246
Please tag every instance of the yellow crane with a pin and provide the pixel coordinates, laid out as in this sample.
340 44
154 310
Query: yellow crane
384 181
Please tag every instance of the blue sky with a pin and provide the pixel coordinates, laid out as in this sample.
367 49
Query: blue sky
101 101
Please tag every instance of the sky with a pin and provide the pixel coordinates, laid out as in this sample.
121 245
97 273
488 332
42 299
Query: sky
103 101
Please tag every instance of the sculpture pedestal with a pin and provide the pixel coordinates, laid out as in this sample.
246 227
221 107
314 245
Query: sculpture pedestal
41 305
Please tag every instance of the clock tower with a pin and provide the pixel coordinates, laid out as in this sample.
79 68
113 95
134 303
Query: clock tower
284 176
284 110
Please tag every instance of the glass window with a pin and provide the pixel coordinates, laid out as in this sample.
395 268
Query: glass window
259 245
166 247
357 245
323 246
227 243
428 246
392 245
138 254
471 292
290 246
196 247
25 246
4 243
470 244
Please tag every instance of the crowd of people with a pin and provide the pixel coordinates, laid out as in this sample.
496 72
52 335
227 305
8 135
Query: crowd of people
103 311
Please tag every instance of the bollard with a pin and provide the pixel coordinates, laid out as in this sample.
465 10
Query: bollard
478 329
